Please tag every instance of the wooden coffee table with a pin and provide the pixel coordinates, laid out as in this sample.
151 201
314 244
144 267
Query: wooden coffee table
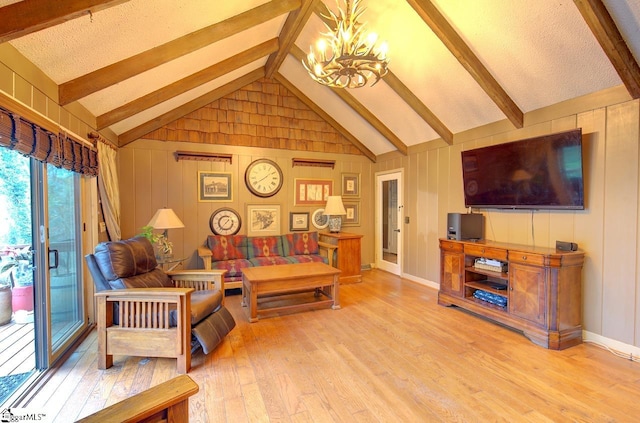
287 280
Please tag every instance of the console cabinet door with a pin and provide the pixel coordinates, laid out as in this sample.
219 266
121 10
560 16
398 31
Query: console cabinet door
527 292
452 273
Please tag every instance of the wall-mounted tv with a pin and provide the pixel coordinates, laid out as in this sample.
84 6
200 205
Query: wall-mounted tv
536 173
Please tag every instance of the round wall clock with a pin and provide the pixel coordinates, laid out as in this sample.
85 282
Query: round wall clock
225 221
263 178
319 220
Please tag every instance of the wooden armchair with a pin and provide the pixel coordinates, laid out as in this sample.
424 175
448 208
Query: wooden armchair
143 311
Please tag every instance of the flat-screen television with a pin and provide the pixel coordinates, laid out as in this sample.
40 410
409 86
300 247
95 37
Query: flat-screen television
536 173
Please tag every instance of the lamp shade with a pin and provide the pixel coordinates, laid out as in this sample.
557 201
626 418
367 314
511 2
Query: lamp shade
165 219
334 206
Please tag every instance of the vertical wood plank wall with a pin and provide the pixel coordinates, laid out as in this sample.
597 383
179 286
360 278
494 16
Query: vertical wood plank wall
151 178
607 230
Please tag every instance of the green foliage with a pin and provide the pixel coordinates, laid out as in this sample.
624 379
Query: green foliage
147 232
162 244
15 198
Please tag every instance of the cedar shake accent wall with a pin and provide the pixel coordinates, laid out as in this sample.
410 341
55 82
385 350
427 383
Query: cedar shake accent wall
263 114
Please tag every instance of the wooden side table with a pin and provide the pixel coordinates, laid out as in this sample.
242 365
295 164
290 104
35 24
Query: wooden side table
349 256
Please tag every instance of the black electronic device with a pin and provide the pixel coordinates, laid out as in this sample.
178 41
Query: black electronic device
566 246
465 226
536 173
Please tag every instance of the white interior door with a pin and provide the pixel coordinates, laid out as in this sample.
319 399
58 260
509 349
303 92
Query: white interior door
389 212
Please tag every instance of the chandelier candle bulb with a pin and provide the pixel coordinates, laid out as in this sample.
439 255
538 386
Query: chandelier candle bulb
348 56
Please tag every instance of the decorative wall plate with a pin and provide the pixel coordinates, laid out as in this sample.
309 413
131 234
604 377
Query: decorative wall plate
319 220
225 221
263 177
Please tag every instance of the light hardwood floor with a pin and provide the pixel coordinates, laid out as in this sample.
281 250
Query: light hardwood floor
391 354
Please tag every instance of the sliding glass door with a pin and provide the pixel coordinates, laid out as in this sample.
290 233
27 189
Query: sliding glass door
65 287
40 259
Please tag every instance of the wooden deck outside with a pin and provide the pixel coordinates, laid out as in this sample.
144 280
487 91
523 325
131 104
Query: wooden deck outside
17 348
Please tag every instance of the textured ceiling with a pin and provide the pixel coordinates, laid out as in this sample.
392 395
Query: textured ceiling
539 52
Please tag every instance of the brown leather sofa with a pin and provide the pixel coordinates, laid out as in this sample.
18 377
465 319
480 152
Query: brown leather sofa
143 311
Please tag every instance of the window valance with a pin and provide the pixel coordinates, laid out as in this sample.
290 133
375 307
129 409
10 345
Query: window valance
61 150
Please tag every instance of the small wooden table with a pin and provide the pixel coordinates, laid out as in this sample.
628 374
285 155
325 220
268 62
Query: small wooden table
348 254
285 279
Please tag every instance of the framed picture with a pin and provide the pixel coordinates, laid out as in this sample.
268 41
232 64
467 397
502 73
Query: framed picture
263 219
214 186
312 191
351 185
298 221
352 217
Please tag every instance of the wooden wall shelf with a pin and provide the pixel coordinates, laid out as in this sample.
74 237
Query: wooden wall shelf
313 163
202 156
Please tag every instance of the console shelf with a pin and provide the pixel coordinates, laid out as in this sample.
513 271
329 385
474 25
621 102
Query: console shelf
485 286
542 288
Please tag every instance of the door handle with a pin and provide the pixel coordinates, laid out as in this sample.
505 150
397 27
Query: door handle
55 259
396 230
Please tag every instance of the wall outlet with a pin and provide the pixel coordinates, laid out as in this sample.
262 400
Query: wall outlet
406 220
102 226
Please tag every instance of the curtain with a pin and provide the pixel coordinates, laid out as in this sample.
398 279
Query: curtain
109 191
61 150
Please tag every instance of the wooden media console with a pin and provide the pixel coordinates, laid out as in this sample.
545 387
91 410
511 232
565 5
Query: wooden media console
542 288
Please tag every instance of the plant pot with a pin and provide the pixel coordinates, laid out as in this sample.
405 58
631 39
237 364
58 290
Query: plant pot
5 305
22 298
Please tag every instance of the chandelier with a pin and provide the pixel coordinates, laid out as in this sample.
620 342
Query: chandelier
347 57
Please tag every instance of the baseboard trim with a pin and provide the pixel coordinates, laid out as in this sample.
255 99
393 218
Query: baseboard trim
618 348
421 281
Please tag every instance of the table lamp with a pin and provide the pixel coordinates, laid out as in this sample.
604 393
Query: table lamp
165 219
334 210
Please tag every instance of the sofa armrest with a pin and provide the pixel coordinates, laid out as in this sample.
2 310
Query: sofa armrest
168 398
328 249
205 254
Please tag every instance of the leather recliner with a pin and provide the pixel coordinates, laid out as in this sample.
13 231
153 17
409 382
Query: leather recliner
143 311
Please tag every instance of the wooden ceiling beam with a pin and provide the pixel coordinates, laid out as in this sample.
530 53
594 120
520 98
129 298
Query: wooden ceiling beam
450 38
30 16
296 20
360 109
418 106
190 82
116 72
324 115
402 90
371 119
166 118
606 32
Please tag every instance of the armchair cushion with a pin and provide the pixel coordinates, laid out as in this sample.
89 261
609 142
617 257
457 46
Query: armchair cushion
269 261
203 303
265 246
130 264
301 243
233 268
153 279
213 329
227 247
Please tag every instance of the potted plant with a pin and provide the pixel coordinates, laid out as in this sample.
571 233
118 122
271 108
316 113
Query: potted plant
16 270
163 247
